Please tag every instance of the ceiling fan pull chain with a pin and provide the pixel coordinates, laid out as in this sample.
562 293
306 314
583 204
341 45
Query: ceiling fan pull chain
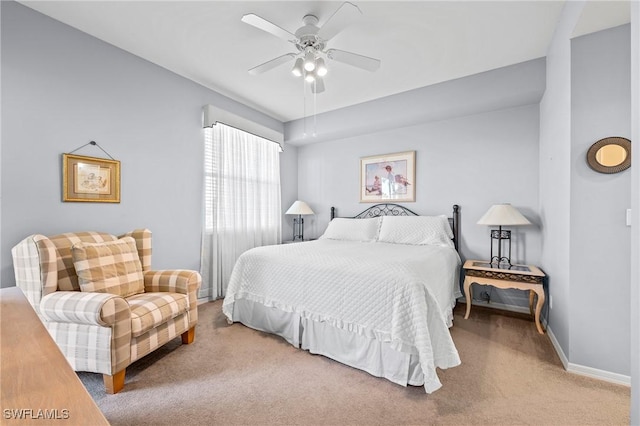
304 109
315 122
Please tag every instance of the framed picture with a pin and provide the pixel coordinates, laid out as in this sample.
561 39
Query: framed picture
389 177
90 179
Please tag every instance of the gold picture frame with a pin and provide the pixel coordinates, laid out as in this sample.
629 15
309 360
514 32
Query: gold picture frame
389 177
90 179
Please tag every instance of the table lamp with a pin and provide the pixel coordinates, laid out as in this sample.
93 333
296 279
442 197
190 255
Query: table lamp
502 215
300 208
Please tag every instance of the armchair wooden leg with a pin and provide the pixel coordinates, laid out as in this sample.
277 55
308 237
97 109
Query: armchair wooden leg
189 336
114 384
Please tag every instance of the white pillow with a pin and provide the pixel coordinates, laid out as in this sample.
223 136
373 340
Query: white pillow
417 230
346 229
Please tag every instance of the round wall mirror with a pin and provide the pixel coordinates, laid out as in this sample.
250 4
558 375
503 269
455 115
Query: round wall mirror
610 155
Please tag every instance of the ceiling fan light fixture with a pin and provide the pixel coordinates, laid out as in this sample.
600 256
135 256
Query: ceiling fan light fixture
321 68
310 76
309 60
297 69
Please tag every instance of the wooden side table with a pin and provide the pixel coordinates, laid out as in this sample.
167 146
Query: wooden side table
521 277
38 385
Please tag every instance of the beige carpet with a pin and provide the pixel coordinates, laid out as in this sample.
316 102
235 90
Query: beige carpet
234 375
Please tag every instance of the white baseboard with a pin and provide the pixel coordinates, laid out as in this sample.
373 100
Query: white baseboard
607 376
558 348
594 373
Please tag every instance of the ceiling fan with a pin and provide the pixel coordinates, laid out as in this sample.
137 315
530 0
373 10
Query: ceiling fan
311 43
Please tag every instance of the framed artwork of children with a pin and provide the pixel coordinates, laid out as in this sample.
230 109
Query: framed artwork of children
388 177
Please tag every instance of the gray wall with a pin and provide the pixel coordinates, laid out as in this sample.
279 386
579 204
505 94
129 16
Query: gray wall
62 88
555 170
472 160
585 242
635 210
515 85
600 107
289 183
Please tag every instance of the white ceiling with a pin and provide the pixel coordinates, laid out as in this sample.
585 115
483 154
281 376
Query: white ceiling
419 42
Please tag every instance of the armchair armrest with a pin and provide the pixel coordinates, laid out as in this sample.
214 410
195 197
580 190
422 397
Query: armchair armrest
172 280
74 318
178 281
102 309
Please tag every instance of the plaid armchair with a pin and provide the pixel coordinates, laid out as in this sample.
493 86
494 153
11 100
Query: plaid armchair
103 322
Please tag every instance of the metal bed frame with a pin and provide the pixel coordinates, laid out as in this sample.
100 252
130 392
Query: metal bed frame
391 209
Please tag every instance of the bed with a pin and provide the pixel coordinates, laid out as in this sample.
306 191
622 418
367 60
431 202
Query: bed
375 292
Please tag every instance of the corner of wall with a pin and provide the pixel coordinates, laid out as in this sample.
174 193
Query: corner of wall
635 208
556 345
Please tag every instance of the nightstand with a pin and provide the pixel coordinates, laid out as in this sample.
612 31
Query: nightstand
521 277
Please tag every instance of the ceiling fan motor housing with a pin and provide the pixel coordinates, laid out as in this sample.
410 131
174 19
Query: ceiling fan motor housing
307 35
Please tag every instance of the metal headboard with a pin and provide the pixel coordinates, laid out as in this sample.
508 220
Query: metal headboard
390 209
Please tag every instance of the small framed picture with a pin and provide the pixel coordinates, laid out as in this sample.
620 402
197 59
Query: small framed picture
389 177
90 179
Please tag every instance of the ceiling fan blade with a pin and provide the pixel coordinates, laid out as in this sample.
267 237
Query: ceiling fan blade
346 14
271 64
318 85
270 27
359 61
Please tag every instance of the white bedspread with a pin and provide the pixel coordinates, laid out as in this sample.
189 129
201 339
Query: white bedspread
395 293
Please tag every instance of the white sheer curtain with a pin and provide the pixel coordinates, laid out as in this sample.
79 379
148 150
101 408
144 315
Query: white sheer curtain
241 202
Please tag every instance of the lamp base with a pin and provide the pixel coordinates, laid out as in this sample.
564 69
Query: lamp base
500 235
298 228
500 262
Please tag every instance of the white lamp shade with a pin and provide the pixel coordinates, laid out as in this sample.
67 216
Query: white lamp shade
321 68
299 207
503 214
309 61
297 67
309 76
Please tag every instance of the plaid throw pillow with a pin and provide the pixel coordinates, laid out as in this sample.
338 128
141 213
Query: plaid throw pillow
110 267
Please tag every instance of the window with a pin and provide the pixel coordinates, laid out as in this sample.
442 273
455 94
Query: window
242 206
